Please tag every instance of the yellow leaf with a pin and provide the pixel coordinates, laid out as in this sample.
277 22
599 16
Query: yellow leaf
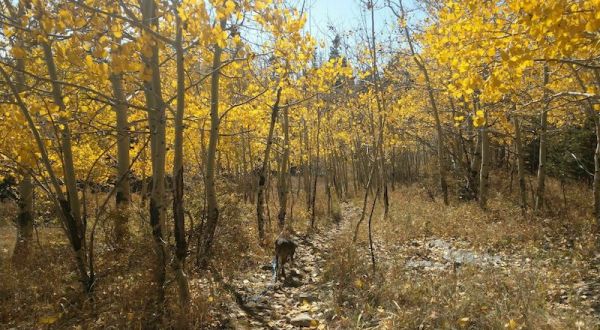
89 61
18 52
103 40
358 283
49 319
511 325
118 34
478 121
229 7
463 322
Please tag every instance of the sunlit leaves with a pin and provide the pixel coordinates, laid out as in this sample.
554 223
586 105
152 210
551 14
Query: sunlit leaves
18 52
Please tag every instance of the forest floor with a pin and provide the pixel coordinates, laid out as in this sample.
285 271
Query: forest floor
299 300
450 267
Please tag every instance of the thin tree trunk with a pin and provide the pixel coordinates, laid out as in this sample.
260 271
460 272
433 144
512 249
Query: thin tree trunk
306 170
541 175
520 165
595 115
178 170
212 216
262 176
432 102
71 206
284 172
315 173
381 109
475 162
485 165
22 250
123 194
371 249
364 208
157 121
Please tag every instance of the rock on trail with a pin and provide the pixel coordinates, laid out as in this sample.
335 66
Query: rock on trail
297 302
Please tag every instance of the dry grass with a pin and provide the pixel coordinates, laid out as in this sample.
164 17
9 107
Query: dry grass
557 245
46 290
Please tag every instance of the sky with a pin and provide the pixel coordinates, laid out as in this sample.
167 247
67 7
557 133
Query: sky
350 18
343 15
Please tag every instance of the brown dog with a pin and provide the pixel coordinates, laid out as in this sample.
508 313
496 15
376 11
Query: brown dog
284 251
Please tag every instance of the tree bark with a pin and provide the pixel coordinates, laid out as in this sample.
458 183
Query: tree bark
284 173
262 176
364 208
123 193
541 175
432 102
520 165
381 109
70 206
315 173
178 170
596 184
22 250
306 170
157 122
212 212
485 165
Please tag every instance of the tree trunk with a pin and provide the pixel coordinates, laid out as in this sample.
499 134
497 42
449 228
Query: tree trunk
25 219
541 175
371 248
380 100
475 165
595 115
212 216
315 173
178 207
157 123
284 172
262 176
485 165
306 170
520 165
432 102
71 206
364 208
22 249
123 188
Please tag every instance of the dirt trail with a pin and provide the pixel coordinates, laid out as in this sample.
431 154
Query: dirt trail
300 301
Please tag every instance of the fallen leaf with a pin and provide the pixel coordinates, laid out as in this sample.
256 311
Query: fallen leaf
48 319
511 325
463 322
